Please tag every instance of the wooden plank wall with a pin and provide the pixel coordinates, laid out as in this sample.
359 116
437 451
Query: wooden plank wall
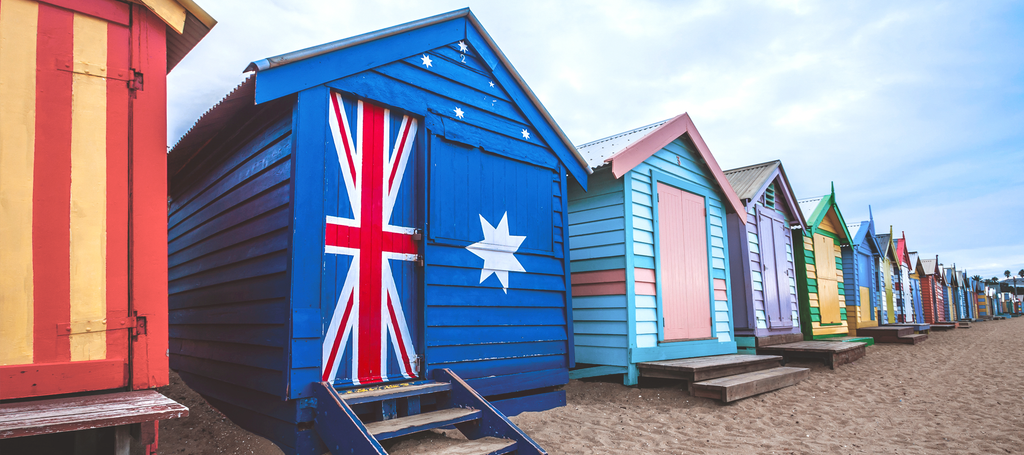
858 274
678 159
597 248
228 242
808 284
748 239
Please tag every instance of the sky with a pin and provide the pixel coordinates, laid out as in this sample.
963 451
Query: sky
914 108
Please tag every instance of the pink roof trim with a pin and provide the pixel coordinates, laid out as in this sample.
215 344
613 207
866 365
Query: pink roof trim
661 136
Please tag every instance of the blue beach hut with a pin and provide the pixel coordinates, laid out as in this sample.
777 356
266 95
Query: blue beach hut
650 266
372 230
861 257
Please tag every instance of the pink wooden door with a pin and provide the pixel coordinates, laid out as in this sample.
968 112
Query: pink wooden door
683 250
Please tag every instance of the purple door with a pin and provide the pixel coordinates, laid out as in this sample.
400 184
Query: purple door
782 274
772 238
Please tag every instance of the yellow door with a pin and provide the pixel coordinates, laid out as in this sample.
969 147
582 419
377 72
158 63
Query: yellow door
828 286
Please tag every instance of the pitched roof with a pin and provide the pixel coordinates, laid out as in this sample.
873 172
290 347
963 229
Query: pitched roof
280 76
629 149
815 209
929 266
187 24
210 123
750 182
599 153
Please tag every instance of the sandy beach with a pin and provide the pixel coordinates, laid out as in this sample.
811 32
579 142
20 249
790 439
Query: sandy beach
960 391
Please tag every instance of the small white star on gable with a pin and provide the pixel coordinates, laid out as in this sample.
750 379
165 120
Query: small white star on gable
491 83
526 134
459 113
497 250
463 47
427 62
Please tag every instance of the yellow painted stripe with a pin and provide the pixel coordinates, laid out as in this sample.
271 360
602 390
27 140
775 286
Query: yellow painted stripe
18 19
89 185
169 11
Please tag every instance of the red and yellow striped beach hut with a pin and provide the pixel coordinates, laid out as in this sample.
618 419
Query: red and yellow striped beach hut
83 268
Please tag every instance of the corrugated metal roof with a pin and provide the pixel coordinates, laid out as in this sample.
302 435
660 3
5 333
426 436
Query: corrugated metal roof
210 123
808 205
596 152
748 180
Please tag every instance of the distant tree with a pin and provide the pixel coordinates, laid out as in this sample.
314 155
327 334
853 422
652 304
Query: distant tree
1006 273
995 279
978 277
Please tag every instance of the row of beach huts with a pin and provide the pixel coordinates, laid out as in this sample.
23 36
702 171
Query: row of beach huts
389 234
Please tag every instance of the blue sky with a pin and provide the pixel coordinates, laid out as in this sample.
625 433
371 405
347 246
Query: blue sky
914 108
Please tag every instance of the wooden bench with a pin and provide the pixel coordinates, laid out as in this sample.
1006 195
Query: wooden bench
85 412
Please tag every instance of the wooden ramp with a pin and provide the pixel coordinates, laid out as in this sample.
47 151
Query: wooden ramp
355 421
832 353
894 334
727 377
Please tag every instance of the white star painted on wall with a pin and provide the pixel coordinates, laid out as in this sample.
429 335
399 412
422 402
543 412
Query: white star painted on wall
458 112
427 62
497 250
491 83
526 134
463 47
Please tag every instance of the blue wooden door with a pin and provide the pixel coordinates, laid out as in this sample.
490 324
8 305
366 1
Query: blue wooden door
371 303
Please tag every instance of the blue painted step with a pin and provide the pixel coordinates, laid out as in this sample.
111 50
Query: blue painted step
394 410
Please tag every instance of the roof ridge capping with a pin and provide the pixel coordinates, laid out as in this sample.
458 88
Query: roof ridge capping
309 52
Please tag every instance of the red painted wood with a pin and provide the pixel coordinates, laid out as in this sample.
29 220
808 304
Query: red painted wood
148 186
369 259
91 411
51 193
583 290
117 191
37 380
109 10
683 251
600 276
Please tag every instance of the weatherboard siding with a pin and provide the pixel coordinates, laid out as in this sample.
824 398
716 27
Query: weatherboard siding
858 273
679 159
749 312
807 284
597 250
228 242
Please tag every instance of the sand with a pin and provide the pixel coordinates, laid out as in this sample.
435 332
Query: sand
960 391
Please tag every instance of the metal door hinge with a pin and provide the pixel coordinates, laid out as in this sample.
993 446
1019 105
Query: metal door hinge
97 325
135 83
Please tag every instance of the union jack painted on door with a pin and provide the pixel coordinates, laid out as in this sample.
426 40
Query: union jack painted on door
370 285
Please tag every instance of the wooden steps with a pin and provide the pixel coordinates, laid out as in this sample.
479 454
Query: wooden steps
945 325
831 353
401 426
488 446
895 334
732 388
355 421
727 377
703 368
